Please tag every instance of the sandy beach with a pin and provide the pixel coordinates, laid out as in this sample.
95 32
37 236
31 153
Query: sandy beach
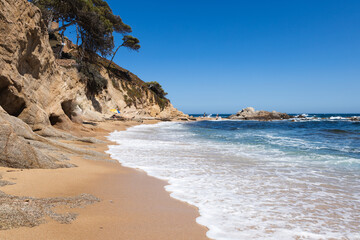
132 205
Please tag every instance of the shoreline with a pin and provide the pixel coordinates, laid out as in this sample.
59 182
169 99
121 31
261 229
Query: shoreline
133 204
223 167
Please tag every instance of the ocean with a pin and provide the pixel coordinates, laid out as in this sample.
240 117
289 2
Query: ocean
289 179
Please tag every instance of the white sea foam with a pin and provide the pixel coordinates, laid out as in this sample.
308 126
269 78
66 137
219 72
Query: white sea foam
338 118
245 191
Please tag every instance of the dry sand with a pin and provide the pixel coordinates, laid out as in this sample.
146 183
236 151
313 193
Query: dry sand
133 205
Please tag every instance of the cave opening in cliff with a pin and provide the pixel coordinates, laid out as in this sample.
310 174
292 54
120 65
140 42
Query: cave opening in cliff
54 119
68 108
10 102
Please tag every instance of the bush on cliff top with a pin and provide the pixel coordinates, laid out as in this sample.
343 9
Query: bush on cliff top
156 88
159 93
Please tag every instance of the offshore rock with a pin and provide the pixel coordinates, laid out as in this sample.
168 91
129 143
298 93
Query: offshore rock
356 119
249 113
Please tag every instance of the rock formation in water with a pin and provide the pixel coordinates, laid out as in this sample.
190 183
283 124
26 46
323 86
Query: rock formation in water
38 92
249 113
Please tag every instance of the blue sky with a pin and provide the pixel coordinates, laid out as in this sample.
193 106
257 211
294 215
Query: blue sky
221 56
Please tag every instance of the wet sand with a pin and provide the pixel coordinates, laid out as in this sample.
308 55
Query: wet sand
133 205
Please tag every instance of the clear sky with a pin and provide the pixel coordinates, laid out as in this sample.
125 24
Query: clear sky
221 56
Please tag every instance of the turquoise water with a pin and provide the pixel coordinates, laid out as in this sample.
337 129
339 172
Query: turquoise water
257 180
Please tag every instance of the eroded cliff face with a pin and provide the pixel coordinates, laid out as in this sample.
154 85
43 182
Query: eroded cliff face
42 91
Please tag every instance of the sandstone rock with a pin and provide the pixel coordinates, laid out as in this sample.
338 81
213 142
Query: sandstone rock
16 152
301 116
248 110
35 116
16 149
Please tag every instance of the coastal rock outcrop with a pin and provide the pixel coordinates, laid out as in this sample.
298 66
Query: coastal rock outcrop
15 148
43 91
40 94
249 113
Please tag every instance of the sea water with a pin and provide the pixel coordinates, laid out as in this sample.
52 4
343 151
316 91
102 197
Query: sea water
256 180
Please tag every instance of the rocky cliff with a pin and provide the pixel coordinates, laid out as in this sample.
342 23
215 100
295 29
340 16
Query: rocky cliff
40 95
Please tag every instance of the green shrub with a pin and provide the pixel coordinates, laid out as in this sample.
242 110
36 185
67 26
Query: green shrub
159 94
95 82
162 102
156 88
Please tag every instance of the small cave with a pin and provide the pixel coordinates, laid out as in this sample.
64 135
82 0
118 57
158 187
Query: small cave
4 83
54 119
10 102
68 108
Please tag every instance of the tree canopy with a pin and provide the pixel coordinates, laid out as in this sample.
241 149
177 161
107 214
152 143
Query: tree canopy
94 20
156 88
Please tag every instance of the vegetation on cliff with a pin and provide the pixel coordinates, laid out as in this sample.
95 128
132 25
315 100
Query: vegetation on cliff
94 21
94 80
95 24
156 88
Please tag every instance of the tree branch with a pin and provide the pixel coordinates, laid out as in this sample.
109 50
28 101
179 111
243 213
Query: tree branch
63 27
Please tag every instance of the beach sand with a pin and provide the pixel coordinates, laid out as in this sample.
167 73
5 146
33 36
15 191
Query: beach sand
133 205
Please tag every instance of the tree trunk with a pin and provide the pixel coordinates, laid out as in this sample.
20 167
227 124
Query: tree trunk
114 55
81 53
62 43
50 20
77 35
